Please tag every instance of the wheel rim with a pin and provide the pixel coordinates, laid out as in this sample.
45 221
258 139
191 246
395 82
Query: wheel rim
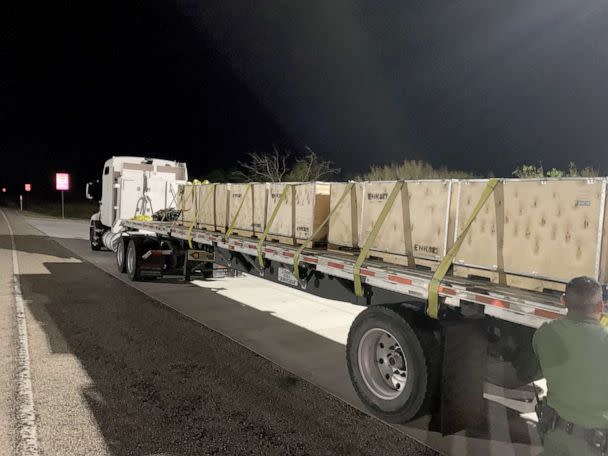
120 254
131 259
382 364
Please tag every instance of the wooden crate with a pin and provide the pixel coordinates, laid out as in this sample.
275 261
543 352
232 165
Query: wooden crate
206 207
306 205
251 219
187 203
415 231
345 221
533 233
244 220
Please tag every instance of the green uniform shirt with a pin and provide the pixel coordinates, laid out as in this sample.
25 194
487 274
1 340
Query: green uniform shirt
573 355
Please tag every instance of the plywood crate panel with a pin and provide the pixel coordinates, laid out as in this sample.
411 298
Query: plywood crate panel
305 207
187 202
206 206
283 224
346 218
241 193
251 217
417 224
549 230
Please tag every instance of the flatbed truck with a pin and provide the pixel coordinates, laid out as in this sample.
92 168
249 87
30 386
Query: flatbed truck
402 362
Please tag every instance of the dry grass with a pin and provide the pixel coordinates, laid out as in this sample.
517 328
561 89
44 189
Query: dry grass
413 169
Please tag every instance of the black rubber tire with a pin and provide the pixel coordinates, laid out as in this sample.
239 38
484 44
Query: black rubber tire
133 270
95 240
121 260
422 356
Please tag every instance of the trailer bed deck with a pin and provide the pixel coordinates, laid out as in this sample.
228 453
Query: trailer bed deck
520 306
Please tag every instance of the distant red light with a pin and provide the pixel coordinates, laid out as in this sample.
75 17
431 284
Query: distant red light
3 189
28 187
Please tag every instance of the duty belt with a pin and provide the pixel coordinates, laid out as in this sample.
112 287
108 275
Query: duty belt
596 438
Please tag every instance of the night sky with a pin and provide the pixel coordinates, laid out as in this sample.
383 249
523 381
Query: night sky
471 84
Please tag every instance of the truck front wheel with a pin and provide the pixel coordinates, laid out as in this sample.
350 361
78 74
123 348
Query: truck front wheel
391 364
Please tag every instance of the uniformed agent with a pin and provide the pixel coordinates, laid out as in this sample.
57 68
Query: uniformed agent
573 356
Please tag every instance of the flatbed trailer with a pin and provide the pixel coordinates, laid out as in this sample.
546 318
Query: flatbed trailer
401 361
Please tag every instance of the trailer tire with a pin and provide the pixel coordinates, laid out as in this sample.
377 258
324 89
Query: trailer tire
96 243
121 254
134 259
409 362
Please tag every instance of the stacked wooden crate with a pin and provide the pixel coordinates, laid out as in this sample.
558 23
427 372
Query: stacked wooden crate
531 233
246 208
344 224
206 214
301 212
414 231
534 234
186 203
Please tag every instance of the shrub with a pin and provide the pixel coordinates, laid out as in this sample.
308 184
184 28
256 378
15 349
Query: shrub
412 169
527 171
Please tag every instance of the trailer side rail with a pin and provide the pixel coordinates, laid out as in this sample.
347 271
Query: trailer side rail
506 303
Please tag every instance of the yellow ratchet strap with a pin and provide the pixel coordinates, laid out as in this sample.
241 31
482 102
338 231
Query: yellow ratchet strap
296 257
372 236
231 227
433 301
269 224
203 202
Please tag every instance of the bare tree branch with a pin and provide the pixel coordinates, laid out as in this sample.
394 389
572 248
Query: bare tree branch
264 167
311 168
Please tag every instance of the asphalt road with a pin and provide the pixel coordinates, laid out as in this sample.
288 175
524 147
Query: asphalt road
115 372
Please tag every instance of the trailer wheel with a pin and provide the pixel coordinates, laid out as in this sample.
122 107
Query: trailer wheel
134 259
392 373
95 240
121 254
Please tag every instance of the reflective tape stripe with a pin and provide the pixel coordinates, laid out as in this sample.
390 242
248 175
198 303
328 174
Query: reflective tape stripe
489 300
399 279
448 291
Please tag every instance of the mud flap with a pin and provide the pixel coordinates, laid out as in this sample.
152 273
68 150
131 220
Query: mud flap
462 404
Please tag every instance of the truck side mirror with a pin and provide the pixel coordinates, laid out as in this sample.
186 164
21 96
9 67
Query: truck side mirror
93 190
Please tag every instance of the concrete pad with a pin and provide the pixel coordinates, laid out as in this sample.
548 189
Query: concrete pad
58 228
310 344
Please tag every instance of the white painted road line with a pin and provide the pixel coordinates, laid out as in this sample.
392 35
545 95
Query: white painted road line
27 444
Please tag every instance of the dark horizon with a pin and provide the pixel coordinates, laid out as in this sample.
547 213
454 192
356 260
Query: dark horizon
475 86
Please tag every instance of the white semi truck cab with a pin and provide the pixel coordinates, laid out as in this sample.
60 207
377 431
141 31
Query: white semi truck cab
131 186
